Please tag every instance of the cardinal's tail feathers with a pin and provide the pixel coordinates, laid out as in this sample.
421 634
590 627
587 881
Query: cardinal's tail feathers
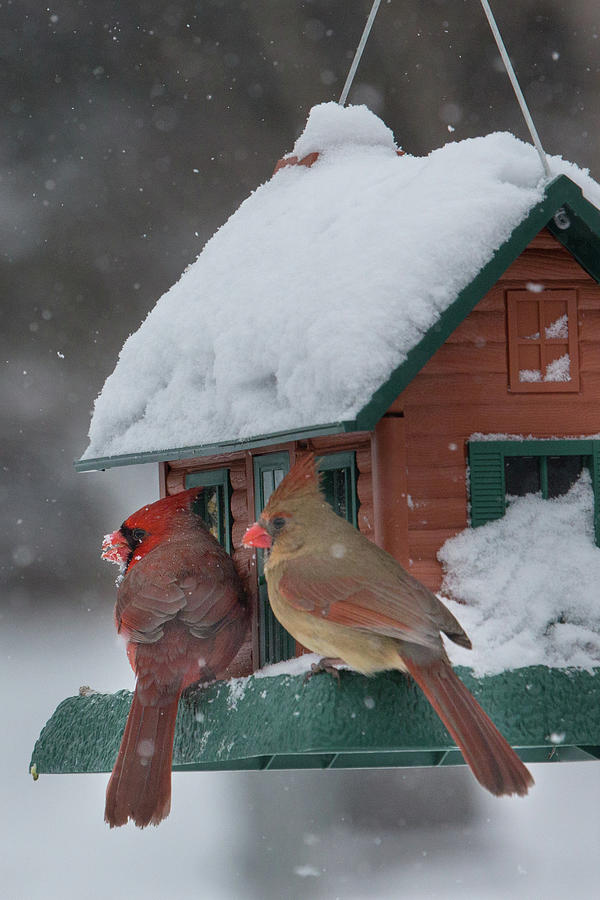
140 785
493 762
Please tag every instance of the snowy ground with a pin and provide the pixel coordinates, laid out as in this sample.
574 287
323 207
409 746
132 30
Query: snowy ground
420 833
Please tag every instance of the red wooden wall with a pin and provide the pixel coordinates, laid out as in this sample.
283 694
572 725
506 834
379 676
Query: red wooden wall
464 389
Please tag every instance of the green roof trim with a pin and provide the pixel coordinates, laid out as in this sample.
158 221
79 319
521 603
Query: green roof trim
572 219
539 446
251 443
285 723
583 218
578 229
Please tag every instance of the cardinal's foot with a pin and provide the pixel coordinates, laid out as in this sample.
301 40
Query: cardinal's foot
327 664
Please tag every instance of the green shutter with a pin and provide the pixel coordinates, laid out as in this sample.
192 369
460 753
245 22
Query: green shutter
274 641
596 485
486 469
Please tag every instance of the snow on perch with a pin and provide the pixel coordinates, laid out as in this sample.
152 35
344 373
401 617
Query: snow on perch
315 290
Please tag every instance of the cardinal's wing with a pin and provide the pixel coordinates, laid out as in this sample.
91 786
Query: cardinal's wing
392 604
197 584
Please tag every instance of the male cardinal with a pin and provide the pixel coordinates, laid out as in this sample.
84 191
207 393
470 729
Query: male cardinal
346 599
182 609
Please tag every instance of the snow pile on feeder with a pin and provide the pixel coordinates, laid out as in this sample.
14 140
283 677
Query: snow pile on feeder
530 585
316 289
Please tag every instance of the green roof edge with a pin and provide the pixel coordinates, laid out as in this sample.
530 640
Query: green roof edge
251 443
580 238
560 192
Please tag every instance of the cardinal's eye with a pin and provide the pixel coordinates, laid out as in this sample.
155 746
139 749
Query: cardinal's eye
278 523
138 534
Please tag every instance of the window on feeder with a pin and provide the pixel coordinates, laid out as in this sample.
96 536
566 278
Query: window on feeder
213 504
274 642
499 470
271 479
339 485
338 481
542 340
552 476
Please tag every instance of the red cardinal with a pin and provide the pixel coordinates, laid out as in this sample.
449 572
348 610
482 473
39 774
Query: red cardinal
346 599
182 609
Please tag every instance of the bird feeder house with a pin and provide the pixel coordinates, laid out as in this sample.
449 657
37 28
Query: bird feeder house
430 328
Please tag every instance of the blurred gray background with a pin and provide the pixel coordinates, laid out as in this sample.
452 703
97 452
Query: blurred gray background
131 131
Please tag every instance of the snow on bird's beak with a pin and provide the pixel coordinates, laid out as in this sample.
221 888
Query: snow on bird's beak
116 549
256 536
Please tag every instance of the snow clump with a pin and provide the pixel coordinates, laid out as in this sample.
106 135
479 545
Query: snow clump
528 583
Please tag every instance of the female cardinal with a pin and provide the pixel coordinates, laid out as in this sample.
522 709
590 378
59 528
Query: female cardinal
182 609
346 599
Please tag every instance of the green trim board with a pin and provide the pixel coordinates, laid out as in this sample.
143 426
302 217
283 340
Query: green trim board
572 219
200 450
487 483
284 723
577 227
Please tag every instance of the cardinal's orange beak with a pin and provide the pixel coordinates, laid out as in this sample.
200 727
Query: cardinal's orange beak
256 536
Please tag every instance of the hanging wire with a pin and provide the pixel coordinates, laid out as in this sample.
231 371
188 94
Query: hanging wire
516 87
358 54
505 59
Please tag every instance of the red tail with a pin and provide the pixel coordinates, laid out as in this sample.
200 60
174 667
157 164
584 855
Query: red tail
140 785
493 762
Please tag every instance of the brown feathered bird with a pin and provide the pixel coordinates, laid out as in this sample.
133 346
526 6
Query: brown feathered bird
346 599
183 611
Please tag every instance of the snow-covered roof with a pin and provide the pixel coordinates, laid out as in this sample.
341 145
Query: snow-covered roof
302 305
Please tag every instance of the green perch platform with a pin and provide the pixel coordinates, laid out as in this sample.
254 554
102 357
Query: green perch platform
282 722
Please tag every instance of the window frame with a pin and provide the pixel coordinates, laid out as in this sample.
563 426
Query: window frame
344 460
487 484
218 478
514 340
274 642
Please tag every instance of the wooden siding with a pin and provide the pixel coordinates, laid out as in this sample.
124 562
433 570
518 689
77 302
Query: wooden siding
464 389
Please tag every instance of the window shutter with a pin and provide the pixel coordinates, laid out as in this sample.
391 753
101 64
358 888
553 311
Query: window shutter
486 470
596 485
